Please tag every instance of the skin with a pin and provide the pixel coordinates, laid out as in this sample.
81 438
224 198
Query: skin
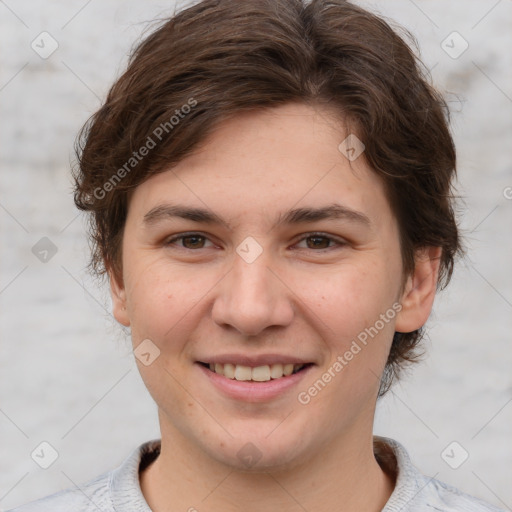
199 297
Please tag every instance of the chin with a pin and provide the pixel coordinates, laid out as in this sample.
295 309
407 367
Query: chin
259 453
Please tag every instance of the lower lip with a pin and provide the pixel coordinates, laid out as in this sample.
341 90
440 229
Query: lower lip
251 391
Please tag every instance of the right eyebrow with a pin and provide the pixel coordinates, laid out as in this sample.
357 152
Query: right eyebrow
166 211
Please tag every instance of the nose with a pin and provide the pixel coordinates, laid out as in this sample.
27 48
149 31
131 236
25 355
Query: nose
252 297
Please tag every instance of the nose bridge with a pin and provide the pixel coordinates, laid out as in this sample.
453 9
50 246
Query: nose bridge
251 297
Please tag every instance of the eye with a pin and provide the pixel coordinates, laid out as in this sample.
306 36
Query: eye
315 241
320 241
189 241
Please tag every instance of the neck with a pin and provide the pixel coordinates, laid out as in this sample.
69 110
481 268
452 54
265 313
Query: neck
343 476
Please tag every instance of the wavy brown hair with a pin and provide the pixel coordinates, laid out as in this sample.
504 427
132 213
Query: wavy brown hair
218 58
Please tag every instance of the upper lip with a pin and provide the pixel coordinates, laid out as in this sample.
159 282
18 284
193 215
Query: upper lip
254 361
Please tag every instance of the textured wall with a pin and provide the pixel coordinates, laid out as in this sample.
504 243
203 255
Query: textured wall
67 375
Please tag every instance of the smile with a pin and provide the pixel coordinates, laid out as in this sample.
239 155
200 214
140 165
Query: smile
263 373
240 382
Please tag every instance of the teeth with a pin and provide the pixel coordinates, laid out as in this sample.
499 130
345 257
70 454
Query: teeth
243 372
288 369
258 373
276 371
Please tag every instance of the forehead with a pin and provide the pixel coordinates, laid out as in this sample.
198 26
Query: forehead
265 162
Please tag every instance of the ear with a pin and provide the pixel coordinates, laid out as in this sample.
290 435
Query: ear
118 294
419 292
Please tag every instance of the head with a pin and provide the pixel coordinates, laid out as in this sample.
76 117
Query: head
246 111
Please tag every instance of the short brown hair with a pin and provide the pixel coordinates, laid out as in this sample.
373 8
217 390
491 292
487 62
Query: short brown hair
218 58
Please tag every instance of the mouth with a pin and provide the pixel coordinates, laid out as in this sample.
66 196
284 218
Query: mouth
256 384
263 373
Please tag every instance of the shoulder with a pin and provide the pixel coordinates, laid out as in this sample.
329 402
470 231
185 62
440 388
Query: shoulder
419 493
112 491
443 497
90 497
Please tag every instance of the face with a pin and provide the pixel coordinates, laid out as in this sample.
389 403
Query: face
291 256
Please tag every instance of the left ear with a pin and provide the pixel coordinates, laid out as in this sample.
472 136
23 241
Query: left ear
420 290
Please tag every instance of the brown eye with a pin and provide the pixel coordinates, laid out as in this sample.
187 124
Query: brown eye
318 242
193 242
188 241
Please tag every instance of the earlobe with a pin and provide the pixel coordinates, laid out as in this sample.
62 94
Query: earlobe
419 292
118 294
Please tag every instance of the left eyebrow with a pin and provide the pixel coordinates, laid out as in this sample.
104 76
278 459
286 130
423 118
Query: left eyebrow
333 211
295 216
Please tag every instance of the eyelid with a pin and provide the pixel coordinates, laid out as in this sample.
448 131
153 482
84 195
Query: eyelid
180 236
338 240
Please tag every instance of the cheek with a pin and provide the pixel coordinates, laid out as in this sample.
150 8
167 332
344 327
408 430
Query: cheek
159 299
355 309
161 302
350 298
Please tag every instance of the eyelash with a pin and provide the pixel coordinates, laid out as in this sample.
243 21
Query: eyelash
337 241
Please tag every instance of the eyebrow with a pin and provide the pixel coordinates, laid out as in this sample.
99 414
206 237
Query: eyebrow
295 216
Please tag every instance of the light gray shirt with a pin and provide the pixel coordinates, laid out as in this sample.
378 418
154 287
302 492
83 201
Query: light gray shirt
119 490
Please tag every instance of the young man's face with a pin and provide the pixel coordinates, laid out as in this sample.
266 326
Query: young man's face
251 289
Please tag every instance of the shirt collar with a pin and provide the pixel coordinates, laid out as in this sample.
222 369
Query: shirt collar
391 455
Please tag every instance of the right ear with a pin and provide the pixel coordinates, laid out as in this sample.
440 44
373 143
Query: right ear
118 294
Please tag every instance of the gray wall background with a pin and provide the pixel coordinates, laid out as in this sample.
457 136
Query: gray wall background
67 374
